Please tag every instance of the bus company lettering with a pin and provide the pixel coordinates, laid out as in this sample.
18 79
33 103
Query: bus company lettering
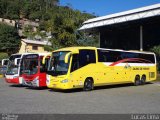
140 68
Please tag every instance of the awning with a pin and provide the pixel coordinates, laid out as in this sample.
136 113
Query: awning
135 14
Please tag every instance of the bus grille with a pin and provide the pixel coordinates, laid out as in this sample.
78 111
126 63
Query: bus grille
151 74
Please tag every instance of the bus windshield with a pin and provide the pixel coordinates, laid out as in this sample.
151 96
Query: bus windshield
30 64
57 65
12 68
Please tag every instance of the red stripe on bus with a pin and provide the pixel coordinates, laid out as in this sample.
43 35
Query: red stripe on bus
129 59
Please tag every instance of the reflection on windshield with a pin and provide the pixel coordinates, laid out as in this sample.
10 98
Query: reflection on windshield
12 69
57 64
30 64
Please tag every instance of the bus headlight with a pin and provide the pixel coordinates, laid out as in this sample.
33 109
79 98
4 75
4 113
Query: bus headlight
15 77
37 78
64 81
48 80
21 80
35 82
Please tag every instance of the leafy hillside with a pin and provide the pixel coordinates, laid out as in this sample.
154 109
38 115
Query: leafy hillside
9 39
61 21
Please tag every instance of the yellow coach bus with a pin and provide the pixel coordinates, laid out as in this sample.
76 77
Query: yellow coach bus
87 67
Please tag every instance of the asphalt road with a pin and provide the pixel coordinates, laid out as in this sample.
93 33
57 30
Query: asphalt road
119 99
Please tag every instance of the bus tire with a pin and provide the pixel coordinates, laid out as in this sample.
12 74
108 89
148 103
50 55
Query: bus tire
143 79
137 80
88 84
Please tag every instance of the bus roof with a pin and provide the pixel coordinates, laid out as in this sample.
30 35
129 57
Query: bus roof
75 49
134 51
32 53
20 54
41 54
16 54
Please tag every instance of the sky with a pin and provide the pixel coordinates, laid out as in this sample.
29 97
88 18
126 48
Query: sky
106 7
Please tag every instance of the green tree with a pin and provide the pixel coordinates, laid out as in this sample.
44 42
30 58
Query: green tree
9 9
156 50
61 21
9 39
3 55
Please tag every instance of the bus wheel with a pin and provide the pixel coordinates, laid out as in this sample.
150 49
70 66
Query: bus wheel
137 80
88 84
143 79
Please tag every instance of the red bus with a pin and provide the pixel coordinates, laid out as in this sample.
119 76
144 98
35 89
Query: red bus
34 71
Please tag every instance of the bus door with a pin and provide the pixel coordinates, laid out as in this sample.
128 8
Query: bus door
83 66
74 71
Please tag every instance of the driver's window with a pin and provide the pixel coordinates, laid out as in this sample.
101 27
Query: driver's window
75 62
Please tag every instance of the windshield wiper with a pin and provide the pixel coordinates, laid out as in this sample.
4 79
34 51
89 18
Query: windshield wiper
9 74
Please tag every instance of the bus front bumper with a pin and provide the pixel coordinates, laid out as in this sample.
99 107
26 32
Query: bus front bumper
33 83
12 79
62 86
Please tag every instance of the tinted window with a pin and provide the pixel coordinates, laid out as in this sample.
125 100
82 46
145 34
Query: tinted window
108 56
113 56
86 57
75 62
149 57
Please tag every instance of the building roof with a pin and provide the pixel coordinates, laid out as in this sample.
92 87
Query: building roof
36 42
130 15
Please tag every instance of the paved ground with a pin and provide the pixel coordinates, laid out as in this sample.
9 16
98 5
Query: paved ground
110 99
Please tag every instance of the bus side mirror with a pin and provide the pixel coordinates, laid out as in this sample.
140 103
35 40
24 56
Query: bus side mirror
5 62
67 57
17 61
45 58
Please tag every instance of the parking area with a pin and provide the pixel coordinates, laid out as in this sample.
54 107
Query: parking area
118 99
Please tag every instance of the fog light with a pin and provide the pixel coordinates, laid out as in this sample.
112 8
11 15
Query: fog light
64 81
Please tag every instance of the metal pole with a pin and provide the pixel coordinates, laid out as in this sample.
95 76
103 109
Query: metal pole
141 38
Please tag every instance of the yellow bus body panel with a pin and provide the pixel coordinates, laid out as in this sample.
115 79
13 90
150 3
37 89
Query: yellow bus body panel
101 73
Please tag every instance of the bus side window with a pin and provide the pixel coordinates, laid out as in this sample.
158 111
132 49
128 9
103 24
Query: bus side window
86 57
75 62
104 58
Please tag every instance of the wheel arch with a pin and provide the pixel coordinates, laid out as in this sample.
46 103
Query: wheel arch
90 78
